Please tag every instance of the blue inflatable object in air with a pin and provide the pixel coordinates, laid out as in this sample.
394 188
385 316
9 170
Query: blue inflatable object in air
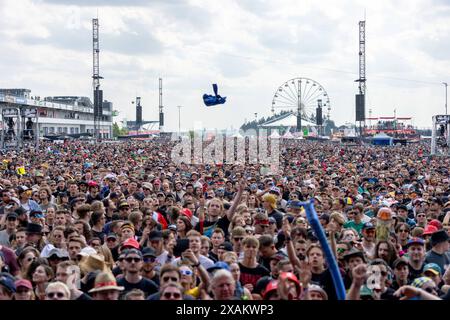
212 100
332 264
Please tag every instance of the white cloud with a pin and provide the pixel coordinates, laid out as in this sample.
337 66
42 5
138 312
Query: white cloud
248 48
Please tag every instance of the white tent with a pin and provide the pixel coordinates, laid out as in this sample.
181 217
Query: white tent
286 121
288 135
237 135
275 135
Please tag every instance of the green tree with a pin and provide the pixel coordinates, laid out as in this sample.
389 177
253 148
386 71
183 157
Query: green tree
117 131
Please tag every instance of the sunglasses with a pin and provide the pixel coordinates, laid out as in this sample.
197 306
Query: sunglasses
111 239
167 279
11 219
404 230
149 259
340 250
186 272
31 259
169 295
51 295
130 260
421 216
238 238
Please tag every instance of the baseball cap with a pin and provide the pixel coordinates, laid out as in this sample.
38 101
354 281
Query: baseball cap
399 261
7 281
148 252
432 267
275 190
24 283
111 235
155 235
12 215
36 214
219 265
130 242
226 246
415 240
368 225
124 204
132 251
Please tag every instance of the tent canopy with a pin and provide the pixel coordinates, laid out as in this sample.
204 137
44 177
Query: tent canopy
288 120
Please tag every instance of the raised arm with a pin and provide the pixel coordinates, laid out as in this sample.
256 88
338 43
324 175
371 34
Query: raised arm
237 199
289 245
359 274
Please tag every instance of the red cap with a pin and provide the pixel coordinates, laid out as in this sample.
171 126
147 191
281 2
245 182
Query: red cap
292 277
24 283
271 286
429 229
131 242
187 213
92 183
435 223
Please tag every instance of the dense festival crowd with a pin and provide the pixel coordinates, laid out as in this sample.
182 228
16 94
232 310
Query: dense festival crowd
108 221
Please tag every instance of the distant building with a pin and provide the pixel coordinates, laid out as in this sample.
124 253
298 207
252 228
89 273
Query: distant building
60 114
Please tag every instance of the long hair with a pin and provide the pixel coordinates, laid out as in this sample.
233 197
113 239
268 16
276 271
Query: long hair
392 255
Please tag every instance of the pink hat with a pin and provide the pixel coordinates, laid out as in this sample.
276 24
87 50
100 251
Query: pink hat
24 283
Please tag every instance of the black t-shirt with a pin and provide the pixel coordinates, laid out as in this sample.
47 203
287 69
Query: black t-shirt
388 295
208 226
266 261
413 273
325 280
252 275
84 297
214 257
148 286
101 235
116 271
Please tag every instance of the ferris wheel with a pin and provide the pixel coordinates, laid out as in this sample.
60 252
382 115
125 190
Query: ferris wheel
303 92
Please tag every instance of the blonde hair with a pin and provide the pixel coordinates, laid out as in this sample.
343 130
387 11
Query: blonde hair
58 284
104 251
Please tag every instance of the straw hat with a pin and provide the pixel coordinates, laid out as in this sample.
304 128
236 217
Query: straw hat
105 281
93 262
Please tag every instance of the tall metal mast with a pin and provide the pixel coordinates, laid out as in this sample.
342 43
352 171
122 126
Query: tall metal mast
361 98
98 94
161 112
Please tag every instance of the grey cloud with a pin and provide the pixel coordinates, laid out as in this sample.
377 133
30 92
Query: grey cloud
304 46
108 3
256 7
233 66
437 48
139 41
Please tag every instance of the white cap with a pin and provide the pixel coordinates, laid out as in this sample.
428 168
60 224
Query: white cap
87 251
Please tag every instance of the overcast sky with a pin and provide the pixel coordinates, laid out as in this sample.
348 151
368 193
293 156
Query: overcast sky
248 47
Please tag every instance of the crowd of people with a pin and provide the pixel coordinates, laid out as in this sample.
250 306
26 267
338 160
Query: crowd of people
109 221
